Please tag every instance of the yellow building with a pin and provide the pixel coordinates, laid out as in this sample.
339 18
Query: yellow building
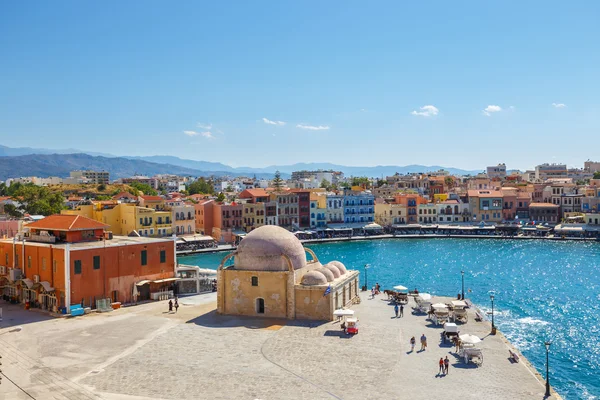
390 214
271 277
439 197
253 216
125 218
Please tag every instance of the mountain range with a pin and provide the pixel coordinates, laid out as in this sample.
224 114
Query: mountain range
25 161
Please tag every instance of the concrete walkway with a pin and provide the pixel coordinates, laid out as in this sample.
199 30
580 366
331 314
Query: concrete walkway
144 352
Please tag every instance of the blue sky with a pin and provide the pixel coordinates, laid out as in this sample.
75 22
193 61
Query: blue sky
342 82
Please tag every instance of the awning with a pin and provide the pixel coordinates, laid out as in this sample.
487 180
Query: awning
373 226
165 280
239 233
343 313
142 283
45 285
27 282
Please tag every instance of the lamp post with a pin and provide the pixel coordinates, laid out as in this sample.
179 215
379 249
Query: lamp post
547 344
366 277
462 274
493 326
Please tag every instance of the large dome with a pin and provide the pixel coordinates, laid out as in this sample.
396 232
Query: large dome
263 248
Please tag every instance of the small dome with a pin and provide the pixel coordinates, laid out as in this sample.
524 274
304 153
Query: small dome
263 248
334 270
339 266
314 278
328 274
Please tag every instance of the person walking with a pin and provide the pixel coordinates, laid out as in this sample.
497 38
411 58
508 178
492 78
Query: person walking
402 310
413 341
423 342
441 365
170 305
446 365
176 305
396 310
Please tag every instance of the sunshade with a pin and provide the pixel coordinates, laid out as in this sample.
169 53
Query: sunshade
470 339
343 313
439 305
459 303
424 296
400 287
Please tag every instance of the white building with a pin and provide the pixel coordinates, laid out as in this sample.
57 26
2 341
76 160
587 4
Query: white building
498 171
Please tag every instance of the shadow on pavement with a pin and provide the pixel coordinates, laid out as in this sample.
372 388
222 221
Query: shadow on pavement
15 314
213 320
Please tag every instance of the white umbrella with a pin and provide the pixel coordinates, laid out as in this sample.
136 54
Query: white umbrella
400 287
343 313
470 339
424 296
439 305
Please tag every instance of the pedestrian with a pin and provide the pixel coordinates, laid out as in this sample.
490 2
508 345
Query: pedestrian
423 342
441 364
373 292
170 305
413 341
446 365
176 305
396 310
402 310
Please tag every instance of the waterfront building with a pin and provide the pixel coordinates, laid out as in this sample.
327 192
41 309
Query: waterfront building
183 217
486 205
509 197
545 171
254 215
388 214
67 259
498 171
204 216
359 207
287 208
592 219
427 213
228 222
544 212
523 202
271 277
335 208
452 210
94 177
318 209
411 201
303 207
125 218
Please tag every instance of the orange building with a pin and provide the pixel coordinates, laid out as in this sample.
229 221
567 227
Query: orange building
70 259
411 202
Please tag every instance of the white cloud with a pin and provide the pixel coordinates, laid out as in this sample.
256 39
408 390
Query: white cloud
559 105
269 122
491 109
313 128
427 111
205 134
206 127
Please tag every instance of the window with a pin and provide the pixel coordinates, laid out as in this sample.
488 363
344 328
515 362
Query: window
77 266
43 263
28 261
144 257
53 266
163 256
96 262
255 281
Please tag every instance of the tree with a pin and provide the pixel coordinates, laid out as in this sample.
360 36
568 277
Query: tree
39 200
449 181
143 187
277 182
11 210
380 182
201 186
597 175
101 187
325 184
220 198
361 181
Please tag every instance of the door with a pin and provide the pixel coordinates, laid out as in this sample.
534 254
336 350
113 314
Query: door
260 306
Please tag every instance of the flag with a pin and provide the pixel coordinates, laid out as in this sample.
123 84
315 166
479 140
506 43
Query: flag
327 291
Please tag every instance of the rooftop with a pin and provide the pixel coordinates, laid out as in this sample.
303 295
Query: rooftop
62 222
115 241
544 205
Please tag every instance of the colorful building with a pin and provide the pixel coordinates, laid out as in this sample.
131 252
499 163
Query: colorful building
70 259
486 205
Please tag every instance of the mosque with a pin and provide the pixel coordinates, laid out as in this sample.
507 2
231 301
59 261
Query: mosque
271 277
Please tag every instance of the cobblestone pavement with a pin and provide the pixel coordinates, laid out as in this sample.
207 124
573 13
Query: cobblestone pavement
142 352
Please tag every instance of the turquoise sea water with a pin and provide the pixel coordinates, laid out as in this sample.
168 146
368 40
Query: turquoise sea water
543 290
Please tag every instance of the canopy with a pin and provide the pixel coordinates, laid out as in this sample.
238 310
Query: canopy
343 313
400 287
439 305
459 303
27 282
424 296
141 283
373 226
351 320
450 327
46 286
165 280
470 339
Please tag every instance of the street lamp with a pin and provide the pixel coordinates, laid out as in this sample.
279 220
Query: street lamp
367 266
547 344
493 326
462 274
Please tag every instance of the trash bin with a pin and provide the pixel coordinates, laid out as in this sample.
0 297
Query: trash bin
27 305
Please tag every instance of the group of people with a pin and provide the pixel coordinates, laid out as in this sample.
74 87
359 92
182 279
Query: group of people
375 290
399 310
171 305
444 364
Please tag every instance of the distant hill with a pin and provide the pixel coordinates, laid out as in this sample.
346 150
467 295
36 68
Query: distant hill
128 166
45 165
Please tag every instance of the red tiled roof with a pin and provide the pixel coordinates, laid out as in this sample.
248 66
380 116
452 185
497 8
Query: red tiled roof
255 193
152 198
124 194
4 198
60 222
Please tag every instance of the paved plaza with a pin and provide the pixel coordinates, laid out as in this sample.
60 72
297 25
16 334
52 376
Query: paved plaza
144 352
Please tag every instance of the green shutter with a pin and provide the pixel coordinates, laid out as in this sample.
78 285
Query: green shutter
144 257
96 262
77 266
163 256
